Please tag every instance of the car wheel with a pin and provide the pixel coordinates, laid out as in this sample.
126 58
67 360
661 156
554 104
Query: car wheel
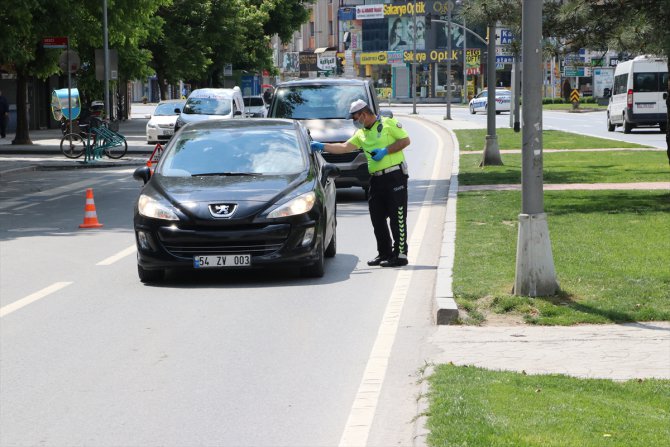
472 109
147 276
627 127
331 250
610 126
315 270
664 128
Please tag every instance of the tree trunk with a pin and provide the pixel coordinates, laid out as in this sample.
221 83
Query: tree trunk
162 87
22 133
667 118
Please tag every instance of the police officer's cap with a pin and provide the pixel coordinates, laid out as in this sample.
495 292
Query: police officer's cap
357 106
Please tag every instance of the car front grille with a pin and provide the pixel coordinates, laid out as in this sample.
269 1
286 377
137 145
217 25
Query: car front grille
340 158
256 241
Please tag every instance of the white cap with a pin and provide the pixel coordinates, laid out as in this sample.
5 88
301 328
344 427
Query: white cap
357 106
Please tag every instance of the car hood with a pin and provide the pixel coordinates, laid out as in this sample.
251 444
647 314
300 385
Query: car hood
330 130
163 119
251 194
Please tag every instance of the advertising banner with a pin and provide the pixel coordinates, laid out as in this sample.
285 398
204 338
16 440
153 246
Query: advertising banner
373 58
365 12
395 58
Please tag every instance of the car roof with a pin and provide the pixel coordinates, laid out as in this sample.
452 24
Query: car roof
324 81
171 101
243 123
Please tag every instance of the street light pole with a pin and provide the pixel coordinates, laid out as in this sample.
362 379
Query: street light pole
105 50
414 61
448 95
535 274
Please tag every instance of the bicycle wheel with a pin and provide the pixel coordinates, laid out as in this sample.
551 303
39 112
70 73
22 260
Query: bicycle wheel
72 145
118 150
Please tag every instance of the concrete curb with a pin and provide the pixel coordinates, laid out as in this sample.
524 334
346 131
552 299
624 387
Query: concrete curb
445 305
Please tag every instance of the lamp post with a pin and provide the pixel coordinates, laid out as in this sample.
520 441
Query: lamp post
414 61
450 6
105 49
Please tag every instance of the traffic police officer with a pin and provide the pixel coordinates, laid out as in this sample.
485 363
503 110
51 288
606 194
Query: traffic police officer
383 140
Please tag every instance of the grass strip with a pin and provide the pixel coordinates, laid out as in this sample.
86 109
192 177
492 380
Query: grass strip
611 251
571 167
475 140
470 406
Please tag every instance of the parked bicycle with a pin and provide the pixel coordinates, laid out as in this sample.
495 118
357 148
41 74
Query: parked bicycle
94 140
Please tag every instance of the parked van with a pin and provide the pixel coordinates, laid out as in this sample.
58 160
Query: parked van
638 95
211 103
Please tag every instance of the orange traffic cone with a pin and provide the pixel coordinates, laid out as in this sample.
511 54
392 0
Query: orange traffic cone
90 216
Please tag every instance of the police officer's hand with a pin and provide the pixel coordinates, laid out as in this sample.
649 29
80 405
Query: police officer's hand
316 146
378 154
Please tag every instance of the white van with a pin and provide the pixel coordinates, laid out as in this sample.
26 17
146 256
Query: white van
638 95
211 103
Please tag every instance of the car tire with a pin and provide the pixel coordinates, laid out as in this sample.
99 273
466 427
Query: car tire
627 127
664 128
317 269
331 250
610 126
149 276
472 109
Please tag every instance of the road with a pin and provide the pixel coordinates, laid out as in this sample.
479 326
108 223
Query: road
90 356
587 123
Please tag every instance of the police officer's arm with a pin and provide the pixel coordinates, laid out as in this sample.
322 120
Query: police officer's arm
339 148
398 145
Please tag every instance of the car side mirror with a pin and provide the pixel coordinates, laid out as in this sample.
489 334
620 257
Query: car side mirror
177 110
142 173
237 113
665 96
387 113
329 171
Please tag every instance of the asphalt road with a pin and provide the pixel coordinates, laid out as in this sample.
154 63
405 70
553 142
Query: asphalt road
90 356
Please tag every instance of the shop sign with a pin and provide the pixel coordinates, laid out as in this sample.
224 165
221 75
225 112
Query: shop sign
327 61
308 62
438 56
374 58
365 12
405 9
473 59
395 58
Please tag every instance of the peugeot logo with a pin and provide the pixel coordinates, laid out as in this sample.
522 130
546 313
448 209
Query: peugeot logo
222 209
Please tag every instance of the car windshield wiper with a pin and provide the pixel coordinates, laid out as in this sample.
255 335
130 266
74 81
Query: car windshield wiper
224 174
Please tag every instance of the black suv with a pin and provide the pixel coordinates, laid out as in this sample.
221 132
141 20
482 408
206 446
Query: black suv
323 107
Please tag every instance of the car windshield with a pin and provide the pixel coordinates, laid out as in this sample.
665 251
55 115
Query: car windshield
233 151
254 101
208 106
167 109
316 101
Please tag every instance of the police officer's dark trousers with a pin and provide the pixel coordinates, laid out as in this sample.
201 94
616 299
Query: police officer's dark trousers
388 200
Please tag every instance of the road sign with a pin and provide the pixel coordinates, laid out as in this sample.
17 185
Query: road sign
506 37
574 95
54 42
74 60
227 69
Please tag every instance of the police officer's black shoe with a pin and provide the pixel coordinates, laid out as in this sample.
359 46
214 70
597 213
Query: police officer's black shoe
395 261
378 260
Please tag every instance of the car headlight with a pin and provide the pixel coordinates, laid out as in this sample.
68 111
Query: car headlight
150 207
300 205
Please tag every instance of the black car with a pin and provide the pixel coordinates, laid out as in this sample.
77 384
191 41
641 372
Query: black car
323 106
236 194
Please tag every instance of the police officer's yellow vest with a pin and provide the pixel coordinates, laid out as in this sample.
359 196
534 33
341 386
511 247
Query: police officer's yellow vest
383 133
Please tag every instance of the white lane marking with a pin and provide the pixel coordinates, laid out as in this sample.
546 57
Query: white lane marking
120 255
56 193
16 305
361 416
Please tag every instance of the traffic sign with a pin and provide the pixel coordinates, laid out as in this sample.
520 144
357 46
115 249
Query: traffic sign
54 42
72 57
574 95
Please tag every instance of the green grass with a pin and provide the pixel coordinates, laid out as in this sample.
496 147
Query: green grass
470 406
567 107
572 167
475 139
611 252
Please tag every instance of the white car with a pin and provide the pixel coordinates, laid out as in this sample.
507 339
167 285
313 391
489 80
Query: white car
160 127
255 107
503 101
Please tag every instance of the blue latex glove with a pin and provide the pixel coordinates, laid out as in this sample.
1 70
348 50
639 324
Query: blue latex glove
378 154
316 146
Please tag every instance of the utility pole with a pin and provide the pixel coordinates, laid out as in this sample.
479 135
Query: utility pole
414 61
450 6
105 49
535 274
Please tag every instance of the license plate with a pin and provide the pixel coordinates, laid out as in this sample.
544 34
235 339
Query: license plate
221 261
645 106
168 132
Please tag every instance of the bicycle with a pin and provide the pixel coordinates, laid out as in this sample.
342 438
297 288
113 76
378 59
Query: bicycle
94 139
